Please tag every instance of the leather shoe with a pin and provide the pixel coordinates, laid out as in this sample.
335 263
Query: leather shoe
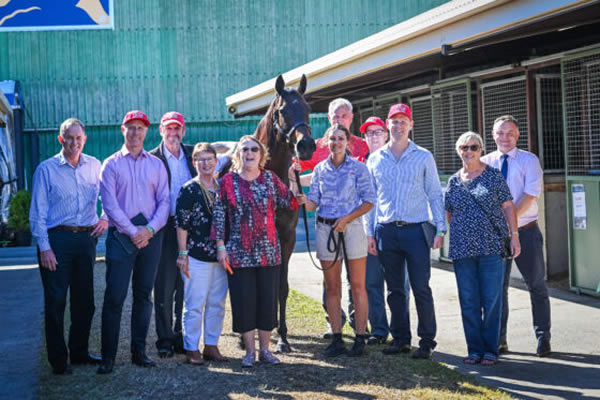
376 339
87 359
422 353
543 348
212 353
106 367
503 348
396 347
62 370
142 360
194 357
165 352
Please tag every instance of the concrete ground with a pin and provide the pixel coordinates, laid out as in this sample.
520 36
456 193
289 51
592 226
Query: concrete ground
573 371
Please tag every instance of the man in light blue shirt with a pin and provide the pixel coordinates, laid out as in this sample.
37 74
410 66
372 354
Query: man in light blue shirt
407 186
64 222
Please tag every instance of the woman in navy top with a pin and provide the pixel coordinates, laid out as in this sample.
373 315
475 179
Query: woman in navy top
342 191
478 206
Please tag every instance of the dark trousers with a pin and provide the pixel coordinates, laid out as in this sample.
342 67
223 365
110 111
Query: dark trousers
140 267
75 254
398 245
531 265
168 292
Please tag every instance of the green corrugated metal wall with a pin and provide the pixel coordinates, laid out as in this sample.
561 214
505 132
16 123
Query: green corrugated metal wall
180 55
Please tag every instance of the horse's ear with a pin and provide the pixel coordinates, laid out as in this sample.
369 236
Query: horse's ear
280 85
302 85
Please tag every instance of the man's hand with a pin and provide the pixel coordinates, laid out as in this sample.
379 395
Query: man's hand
48 260
141 238
100 227
438 242
340 224
372 245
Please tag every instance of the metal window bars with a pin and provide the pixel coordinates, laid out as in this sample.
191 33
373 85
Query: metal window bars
550 122
581 94
422 133
502 97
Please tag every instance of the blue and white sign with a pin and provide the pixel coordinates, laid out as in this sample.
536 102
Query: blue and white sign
48 15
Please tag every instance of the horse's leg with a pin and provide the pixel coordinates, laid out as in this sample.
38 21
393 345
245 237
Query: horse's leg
287 237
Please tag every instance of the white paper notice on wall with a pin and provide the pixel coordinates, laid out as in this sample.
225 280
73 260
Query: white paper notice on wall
579 211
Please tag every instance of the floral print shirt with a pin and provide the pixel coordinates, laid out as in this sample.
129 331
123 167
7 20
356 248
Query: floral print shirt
193 214
244 218
471 231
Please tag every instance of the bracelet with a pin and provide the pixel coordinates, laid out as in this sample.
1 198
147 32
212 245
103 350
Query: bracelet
441 233
221 248
150 229
515 233
183 252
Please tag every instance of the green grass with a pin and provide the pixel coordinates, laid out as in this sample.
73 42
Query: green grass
304 374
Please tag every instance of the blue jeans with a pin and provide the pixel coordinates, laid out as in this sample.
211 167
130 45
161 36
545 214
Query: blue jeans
374 283
403 249
479 281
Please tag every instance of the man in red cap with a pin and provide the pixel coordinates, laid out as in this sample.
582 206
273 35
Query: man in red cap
177 159
135 196
407 186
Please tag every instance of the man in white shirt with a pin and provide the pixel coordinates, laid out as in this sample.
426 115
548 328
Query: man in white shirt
524 176
177 158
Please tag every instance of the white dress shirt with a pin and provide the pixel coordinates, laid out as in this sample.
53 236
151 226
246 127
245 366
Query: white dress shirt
525 176
180 174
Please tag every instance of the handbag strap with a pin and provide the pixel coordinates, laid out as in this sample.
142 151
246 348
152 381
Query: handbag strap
498 230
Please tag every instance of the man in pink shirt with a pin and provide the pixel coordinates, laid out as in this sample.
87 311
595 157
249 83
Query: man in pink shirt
135 196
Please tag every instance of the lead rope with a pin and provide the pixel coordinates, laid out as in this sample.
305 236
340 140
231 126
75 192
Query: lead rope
337 246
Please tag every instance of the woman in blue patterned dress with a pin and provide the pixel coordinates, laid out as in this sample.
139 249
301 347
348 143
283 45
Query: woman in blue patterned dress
342 191
478 206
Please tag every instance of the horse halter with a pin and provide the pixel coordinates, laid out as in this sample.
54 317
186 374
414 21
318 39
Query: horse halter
289 135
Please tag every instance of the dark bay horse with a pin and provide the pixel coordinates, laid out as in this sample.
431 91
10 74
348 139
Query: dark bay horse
285 130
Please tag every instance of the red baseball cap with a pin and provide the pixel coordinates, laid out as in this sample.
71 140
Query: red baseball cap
400 109
372 121
172 117
135 114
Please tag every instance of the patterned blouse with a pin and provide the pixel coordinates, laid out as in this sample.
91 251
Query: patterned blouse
193 214
471 233
246 210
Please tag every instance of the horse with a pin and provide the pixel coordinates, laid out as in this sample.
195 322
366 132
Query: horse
285 130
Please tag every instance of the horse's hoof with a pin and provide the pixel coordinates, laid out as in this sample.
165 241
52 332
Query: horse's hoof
283 347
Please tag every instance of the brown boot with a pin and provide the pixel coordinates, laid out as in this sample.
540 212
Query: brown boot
212 353
194 357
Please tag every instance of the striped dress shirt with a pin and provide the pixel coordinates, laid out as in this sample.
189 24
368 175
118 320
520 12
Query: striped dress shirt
63 195
406 188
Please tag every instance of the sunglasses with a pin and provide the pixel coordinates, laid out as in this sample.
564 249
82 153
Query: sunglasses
377 133
252 149
473 147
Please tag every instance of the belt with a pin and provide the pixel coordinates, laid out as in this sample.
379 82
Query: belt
530 225
74 229
402 223
326 221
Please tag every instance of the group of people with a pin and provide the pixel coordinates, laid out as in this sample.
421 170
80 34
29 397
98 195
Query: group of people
178 234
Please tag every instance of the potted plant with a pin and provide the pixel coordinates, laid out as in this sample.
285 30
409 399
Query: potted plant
18 217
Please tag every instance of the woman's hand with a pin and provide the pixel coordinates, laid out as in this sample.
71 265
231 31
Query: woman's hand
340 224
292 171
515 246
223 258
300 198
183 263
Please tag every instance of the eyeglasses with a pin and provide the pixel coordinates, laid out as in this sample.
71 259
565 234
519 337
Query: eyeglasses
252 149
205 160
376 133
473 147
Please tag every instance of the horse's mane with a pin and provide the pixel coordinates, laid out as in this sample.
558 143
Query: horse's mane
265 130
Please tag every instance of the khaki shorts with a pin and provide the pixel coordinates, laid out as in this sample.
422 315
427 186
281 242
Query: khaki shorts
354 237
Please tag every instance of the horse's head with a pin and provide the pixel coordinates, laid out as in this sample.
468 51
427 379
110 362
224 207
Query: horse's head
290 118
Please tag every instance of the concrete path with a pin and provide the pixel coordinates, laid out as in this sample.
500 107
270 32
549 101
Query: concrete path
573 371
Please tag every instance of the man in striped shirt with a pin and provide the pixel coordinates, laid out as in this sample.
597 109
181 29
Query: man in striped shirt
407 185
66 227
